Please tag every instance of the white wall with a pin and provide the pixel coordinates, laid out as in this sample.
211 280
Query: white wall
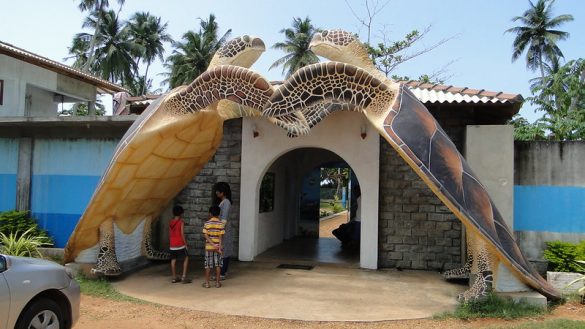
41 102
489 151
271 224
19 76
338 133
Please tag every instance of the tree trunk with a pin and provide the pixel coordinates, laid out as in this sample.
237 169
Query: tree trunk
92 43
145 79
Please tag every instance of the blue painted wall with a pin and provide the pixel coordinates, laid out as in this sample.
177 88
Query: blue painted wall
549 209
8 171
65 174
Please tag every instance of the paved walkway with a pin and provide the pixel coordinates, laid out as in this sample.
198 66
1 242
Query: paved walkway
326 226
325 293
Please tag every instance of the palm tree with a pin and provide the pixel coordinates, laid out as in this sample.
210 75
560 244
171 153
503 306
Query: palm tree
148 31
79 49
296 45
97 6
537 35
114 58
193 54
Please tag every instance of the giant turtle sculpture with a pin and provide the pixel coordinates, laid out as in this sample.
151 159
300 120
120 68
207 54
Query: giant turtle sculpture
180 132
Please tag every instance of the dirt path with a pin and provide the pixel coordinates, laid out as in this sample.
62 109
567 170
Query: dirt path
98 313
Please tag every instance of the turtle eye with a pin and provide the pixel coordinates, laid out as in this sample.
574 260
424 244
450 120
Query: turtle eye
324 33
246 38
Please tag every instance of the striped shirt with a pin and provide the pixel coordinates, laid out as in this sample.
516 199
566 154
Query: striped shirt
214 229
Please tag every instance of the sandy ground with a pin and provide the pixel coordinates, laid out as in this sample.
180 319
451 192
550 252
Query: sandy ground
99 313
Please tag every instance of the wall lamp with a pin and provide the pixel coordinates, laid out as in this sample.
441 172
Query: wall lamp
363 131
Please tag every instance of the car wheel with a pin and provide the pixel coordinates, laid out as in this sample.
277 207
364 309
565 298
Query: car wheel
41 314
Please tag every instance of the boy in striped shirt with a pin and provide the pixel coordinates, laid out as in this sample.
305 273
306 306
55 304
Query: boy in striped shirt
213 231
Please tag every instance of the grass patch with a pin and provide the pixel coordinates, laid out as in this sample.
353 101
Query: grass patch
493 307
103 288
548 324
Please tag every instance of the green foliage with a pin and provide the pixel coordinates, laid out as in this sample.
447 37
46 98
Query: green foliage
581 250
337 208
538 35
561 95
547 324
103 288
296 46
526 131
493 307
81 109
561 256
24 244
193 53
13 222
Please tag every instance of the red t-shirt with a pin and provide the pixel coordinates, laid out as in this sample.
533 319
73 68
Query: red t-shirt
176 238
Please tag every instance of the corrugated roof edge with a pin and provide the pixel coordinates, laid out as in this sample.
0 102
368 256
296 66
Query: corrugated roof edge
44 62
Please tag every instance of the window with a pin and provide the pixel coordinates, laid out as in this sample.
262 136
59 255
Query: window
267 193
1 92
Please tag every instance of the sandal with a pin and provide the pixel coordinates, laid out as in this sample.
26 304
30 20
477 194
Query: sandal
175 280
186 280
218 285
205 285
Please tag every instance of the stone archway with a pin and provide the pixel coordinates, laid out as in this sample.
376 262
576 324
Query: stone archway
263 143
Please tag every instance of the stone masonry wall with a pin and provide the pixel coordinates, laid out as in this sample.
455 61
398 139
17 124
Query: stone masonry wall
196 198
416 231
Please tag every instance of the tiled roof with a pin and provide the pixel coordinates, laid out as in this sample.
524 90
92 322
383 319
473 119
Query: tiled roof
435 93
26 56
425 92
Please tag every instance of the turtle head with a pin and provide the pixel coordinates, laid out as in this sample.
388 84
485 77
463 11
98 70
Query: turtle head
241 51
340 46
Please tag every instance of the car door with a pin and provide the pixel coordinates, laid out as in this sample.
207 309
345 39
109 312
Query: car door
4 294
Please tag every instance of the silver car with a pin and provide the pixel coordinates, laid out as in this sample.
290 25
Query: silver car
36 293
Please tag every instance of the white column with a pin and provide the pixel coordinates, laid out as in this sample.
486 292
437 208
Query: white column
489 150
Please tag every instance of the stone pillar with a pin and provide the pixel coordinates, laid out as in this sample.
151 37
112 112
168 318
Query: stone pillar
91 108
489 150
24 172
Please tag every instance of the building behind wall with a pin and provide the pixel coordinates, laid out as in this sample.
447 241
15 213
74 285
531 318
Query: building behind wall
51 164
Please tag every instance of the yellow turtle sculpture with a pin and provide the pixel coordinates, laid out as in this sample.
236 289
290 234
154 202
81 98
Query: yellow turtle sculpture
165 148
354 83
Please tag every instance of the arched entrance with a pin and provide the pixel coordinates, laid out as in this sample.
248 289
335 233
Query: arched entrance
346 134
298 210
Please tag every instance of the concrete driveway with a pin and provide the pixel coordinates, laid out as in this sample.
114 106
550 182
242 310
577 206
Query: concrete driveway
325 293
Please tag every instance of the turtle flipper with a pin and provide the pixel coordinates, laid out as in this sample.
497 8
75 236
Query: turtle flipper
107 262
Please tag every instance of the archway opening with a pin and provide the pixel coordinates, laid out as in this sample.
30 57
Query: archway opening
304 197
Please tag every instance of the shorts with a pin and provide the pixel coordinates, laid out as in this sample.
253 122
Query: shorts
179 252
213 259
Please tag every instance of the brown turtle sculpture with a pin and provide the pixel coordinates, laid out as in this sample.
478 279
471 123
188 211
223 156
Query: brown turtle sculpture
413 132
165 148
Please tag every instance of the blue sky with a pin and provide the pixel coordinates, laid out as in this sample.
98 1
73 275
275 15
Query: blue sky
480 48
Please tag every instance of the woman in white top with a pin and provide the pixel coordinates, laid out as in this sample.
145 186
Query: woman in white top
223 196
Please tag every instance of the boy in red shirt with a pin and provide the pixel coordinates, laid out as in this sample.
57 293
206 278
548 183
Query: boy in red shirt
177 244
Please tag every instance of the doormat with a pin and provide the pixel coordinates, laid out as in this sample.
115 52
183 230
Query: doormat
296 267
